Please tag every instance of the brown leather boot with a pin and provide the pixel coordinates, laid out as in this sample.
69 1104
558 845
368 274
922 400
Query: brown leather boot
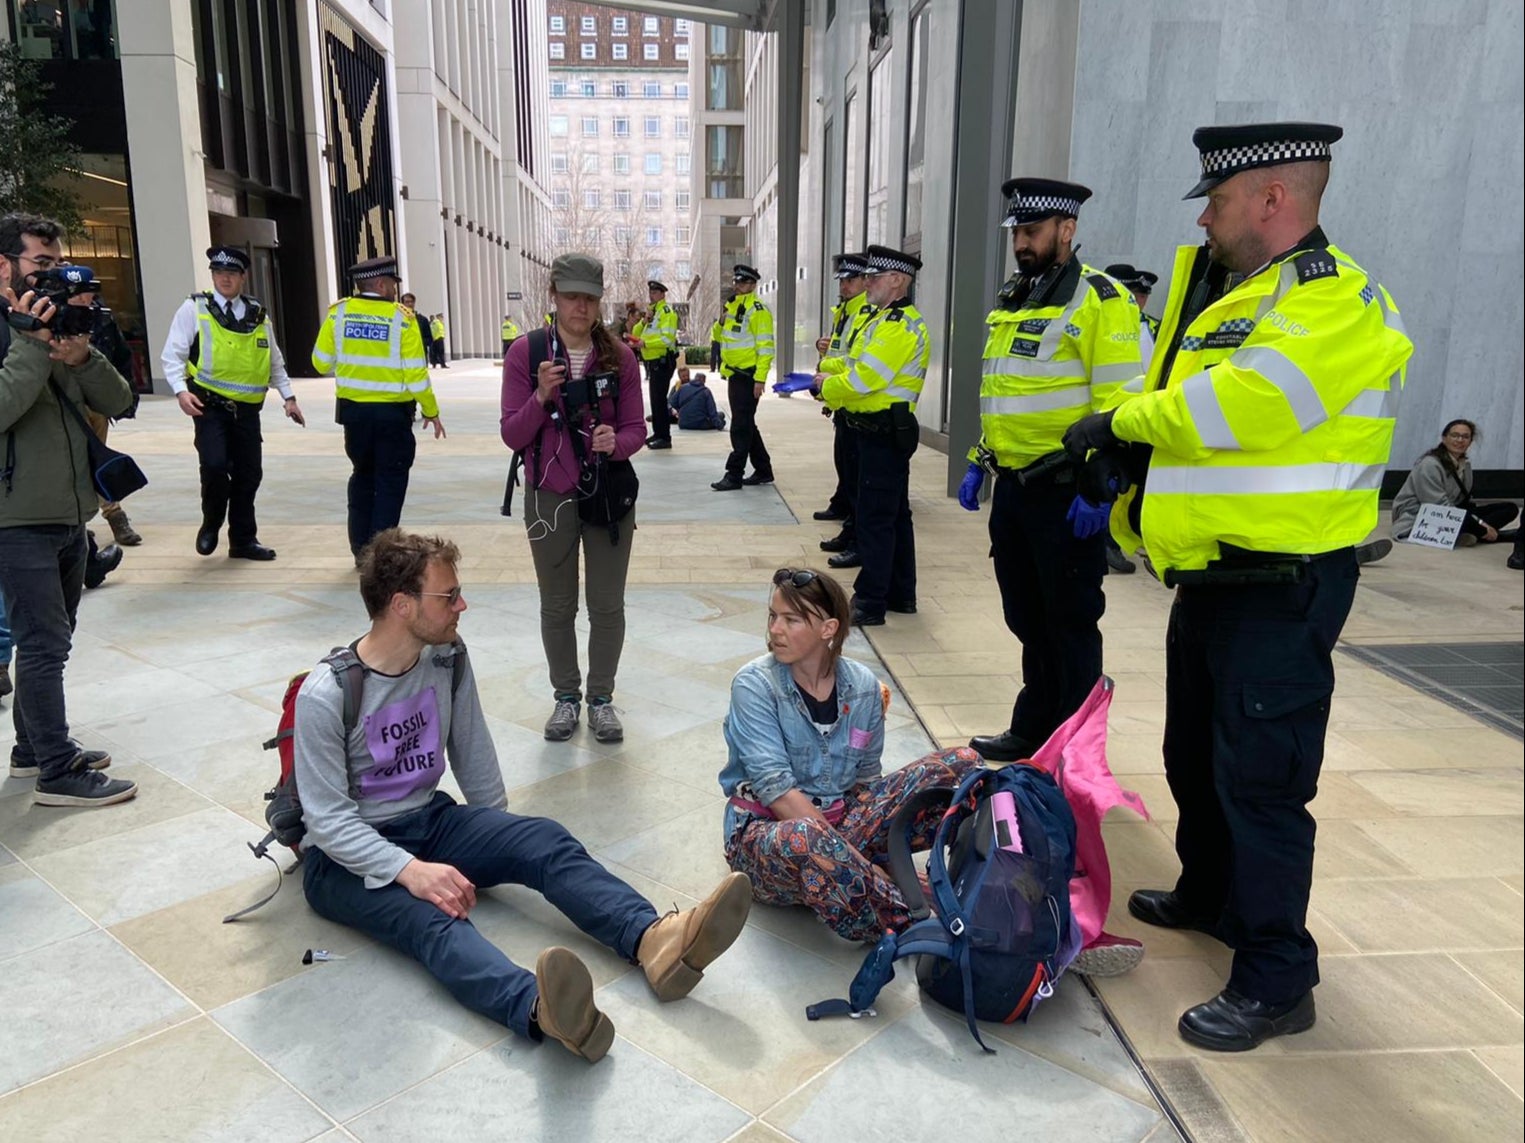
121 527
565 1010
677 949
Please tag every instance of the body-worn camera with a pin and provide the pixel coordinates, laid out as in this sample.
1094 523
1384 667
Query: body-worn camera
58 284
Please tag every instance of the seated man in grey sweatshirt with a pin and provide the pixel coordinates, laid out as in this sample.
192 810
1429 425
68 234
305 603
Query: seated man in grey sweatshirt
390 854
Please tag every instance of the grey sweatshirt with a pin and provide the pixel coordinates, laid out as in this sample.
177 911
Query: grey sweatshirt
1429 483
393 759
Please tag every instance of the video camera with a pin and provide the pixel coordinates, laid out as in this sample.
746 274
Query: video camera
58 284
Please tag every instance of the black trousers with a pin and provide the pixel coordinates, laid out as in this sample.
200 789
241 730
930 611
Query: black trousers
1051 599
228 443
1249 675
378 439
844 457
746 440
658 379
886 538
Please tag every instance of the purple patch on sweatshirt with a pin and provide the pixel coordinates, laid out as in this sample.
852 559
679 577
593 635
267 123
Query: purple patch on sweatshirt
403 738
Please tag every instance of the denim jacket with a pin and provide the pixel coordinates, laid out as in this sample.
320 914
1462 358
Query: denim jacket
773 746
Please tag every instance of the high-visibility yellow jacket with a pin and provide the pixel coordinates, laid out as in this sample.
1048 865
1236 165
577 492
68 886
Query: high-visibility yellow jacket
375 353
659 335
1273 421
746 337
1051 360
847 320
437 329
886 363
510 329
230 363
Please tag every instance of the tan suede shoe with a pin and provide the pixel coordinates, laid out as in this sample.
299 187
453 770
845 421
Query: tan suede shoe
565 1010
677 949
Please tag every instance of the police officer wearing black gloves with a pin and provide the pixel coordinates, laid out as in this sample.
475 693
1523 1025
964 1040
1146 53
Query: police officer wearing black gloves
220 360
1061 341
1262 440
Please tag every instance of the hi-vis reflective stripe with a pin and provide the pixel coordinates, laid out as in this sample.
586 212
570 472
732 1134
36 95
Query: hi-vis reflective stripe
1134 386
386 386
1027 367
879 368
1207 411
1110 374
1067 398
1262 479
1377 403
904 394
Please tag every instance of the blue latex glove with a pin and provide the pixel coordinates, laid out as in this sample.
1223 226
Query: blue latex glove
794 383
969 489
1088 519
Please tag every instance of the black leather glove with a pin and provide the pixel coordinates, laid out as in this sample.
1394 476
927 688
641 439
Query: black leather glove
1090 432
1104 477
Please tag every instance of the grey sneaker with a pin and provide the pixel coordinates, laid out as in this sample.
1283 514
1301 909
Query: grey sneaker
563 719
82 786
604 722
87 759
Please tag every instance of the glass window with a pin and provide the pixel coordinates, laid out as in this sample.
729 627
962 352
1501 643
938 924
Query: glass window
590 125
878 200
657 270
558 164
620 89
852 205
592 235
916 125
622 268
621 25
682 236
563 236
680 91
589 25
622 164
558 51
649 26
589 51
682 163
588 161
621 235
558 124
589 89
652 51
592 199
561 199
680 51
680 27
652 200
621 127
653 165
680 127
682 201
651 90
723 163
558 25
684 272
653 125
558 88
723 81
621 200
621 51
653 236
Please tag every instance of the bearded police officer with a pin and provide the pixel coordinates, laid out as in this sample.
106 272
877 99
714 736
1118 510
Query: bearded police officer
372 346
848 318
219 360
877 391
656 340
746 355
1061 340
1266 424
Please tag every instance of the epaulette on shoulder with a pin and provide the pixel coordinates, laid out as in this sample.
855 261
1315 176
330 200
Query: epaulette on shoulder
1316 264
894 313
1104 287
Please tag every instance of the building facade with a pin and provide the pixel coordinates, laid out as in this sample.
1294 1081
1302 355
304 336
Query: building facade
620 134
313 133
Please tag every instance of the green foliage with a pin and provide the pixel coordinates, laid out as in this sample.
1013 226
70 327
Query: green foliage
696 355
38 163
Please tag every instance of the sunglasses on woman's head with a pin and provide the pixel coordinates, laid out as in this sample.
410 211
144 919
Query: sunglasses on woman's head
801 578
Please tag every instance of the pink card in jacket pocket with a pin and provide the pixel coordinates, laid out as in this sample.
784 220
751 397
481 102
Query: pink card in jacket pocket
858 738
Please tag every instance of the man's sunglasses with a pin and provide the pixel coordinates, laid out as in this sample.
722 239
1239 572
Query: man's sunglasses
451 597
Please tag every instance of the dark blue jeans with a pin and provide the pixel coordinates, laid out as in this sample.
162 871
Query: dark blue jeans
489 847
378 439
42 573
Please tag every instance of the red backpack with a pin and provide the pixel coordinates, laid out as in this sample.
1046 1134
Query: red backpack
283 810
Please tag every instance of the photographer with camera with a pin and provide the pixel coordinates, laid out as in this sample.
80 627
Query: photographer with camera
573 414
46 361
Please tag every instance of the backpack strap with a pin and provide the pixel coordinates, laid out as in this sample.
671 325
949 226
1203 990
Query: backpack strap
538 343
902 869
349 673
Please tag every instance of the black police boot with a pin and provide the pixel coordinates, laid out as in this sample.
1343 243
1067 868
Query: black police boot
100 562
206 540
726 483
903 607
1230 1022
757 478
1003 747
838 543
829 513
867 619
1117 562
254 550
1162 908
844 560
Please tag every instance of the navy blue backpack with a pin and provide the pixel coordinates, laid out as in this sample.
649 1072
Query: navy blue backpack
999 870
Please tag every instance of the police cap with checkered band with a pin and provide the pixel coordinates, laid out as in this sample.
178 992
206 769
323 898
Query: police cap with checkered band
885 259
849 265
227 258
1033 200
1227 151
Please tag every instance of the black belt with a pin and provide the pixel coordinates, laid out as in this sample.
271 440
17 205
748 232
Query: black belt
218 401
1055 468
1240 567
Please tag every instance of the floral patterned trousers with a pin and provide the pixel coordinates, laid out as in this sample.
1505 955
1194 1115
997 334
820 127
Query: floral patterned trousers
804 861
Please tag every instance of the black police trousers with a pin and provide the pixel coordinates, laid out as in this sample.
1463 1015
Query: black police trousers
746 438
1249 675
1051 599
886 537
658 380
228 443
378 439
844 458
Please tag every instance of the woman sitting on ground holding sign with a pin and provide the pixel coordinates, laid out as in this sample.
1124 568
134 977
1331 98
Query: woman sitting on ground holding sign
1444 476
810 806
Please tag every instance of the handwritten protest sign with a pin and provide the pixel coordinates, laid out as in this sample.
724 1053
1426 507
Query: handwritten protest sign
1438 526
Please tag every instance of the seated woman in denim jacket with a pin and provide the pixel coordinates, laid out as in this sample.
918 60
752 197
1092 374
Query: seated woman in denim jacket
810 806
